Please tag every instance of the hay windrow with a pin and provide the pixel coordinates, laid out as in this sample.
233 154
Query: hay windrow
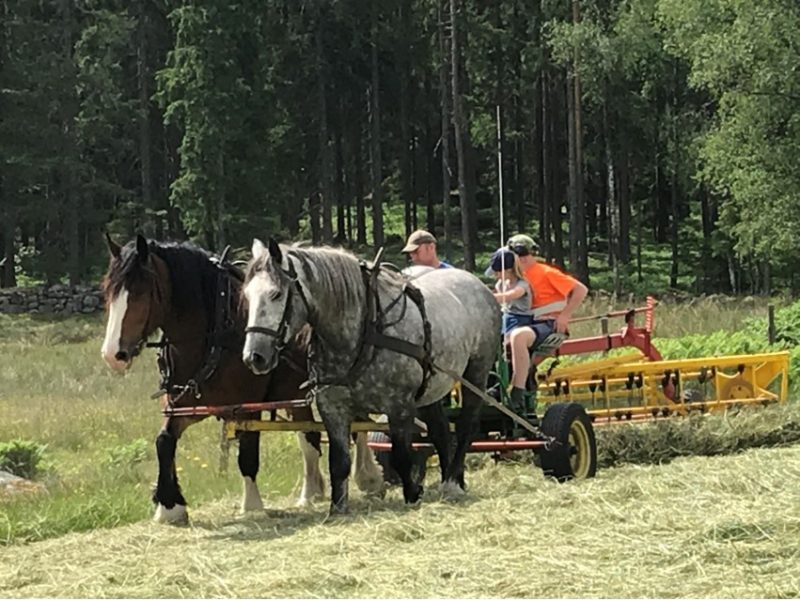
699 435
700 527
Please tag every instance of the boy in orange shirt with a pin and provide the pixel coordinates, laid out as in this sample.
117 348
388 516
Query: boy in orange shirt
556 296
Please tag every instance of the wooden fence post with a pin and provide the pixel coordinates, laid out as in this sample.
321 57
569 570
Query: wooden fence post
771 321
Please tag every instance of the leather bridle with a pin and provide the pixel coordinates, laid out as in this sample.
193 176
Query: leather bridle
286 315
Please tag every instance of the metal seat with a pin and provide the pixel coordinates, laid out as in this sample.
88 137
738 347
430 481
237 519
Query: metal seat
550 344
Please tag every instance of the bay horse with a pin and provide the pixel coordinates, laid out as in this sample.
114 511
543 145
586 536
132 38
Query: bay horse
194 300
375 338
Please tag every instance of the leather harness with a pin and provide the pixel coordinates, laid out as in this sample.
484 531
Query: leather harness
371 336
220 333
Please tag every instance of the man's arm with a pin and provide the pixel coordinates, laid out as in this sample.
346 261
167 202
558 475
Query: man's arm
574 300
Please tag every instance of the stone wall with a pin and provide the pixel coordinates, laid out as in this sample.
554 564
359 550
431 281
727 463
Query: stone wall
55 300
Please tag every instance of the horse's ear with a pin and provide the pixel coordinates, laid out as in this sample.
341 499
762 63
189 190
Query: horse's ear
141 248
113 247
259 249
275 251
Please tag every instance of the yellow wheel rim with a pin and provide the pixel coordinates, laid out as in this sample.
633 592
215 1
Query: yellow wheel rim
579 450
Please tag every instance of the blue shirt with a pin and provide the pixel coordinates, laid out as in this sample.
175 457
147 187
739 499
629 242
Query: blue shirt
444 265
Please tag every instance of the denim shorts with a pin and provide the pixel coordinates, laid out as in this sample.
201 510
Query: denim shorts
514 320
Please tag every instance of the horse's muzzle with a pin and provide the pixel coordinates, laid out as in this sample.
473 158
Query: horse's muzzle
257 362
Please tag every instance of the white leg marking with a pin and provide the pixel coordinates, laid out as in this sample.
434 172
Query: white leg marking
313 483
176 515
116 314
369 475
251 500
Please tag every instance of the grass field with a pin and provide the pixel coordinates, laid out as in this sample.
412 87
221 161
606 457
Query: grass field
699 527
726 524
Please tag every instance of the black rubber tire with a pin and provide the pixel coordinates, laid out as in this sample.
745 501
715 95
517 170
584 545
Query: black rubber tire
576 454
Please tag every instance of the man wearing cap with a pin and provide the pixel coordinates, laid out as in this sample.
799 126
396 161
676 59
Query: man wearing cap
556 296
421 249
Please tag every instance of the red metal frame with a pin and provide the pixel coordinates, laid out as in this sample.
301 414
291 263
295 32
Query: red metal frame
629 336
231 410
478 446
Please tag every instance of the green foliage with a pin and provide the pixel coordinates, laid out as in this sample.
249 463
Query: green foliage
205 120
787 325
128 456
749 153
21 457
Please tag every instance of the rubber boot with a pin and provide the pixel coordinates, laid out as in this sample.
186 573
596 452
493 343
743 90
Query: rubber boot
516 402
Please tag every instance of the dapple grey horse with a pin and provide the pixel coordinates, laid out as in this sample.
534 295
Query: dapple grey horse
345 303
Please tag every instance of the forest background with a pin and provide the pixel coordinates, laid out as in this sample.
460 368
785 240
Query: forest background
647 144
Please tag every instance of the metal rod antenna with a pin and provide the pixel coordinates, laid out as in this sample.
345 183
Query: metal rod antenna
503 285
500 179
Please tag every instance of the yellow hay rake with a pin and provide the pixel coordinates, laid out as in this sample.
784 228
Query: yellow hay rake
642 386
631 389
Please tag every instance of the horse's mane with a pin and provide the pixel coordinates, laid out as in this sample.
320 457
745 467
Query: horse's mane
192 273
333 271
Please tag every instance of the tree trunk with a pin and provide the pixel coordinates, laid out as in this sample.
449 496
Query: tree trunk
639 241
557 247
546 148
222 208
577 212
429 161
338 176
624 210
613 208
69 151
145 142
375 138
572 169
324 139
406 147
361 217
313 216
462 142
8 276
291 212
444 102
674 200
707 225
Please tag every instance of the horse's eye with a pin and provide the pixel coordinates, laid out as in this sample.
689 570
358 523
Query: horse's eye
274 294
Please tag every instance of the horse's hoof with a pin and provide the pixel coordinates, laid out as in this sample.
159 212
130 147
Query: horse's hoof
251 500
176 515
338 509
371 486
305 500
414 496
451 490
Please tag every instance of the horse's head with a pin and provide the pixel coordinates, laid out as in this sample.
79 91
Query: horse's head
276 306
137 289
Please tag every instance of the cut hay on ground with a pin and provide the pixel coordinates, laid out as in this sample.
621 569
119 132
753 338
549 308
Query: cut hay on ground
700 527
699 435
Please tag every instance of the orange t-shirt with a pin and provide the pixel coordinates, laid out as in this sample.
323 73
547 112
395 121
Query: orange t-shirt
550 286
